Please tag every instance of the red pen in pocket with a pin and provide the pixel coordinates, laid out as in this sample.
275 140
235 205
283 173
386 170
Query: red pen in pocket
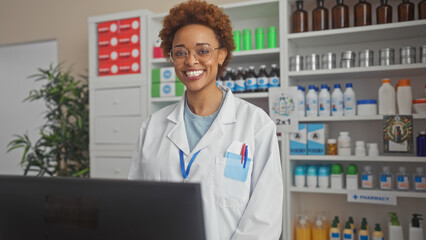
243 152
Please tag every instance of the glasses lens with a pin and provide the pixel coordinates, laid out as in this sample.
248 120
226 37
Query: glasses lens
179 54
204 53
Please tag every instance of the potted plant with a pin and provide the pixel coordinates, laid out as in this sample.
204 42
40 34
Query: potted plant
63 146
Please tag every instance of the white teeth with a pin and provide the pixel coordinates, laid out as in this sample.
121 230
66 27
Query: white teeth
194 73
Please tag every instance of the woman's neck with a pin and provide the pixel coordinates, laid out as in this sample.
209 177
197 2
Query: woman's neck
204 103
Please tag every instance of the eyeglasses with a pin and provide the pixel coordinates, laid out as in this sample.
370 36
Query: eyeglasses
201 53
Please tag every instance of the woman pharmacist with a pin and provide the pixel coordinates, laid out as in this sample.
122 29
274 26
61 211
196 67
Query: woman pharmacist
211 137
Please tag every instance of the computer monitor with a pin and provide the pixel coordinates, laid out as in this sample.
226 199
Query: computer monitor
72 208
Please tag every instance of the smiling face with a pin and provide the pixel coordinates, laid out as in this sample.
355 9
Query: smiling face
195 75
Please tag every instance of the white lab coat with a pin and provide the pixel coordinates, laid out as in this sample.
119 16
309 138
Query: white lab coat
232 209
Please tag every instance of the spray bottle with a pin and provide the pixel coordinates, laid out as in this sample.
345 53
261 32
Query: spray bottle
303 229
395 229
415 231
348 232
335 231
378 234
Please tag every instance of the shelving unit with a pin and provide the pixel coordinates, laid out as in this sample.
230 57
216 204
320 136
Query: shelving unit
110 156
366 81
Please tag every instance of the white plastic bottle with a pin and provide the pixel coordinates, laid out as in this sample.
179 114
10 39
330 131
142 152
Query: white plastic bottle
324 101
301 100
402 180
415 231
323 177
404 96
367 178
337 101
344 144
300 176
386 179
312 102
360 149
419 180
387 104
349 100
312 177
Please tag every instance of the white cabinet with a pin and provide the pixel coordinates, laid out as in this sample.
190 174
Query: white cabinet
366 82
118 89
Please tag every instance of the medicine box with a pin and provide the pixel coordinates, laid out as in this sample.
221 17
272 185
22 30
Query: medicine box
298 141
167 89
317 137
161 75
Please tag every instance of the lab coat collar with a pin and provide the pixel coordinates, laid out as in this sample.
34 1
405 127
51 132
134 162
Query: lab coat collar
177 134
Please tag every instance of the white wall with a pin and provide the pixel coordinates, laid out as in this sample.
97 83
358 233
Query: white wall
17 62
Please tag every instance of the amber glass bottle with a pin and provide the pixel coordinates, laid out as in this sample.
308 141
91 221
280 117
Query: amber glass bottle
320 17
340 15
362 13
384 12
405 11
422 9
299 19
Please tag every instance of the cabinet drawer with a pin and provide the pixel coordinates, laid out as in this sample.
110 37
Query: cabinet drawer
115 102
110 167
117 130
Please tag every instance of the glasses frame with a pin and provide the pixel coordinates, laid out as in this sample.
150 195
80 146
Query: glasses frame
195 54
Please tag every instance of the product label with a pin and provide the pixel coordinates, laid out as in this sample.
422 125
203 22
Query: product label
348 236
311 107
402 182
367 181
274 82
251 83
385 182
317 135
349 104
230 84
240 86
337 106
298 141
378 238
335 236
363 237
262 83
420 183
324 105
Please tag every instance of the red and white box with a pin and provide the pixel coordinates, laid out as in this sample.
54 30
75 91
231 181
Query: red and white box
128 39
108 68
130 25
108 28
127 53
126 67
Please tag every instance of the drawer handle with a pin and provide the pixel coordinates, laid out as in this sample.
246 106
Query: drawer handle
116 101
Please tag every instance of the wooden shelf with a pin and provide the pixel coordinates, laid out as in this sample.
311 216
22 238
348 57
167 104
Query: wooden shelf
378 32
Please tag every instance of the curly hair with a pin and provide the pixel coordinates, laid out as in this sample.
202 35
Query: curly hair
198 12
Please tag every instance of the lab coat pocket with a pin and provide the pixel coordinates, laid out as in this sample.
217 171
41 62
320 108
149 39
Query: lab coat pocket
232 190
236 168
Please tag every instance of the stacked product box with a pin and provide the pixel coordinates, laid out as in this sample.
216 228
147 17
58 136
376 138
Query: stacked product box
164 83
310 139
119 47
